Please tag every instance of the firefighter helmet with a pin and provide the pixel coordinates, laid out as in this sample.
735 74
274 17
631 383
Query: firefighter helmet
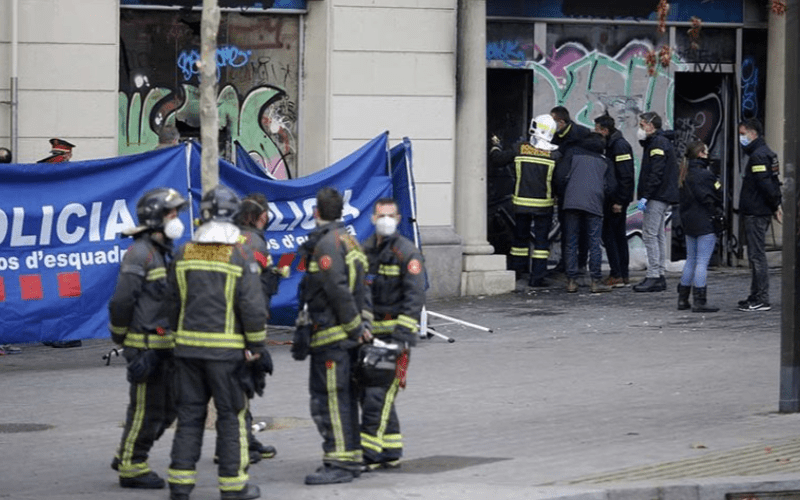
220 204
153 206
542 129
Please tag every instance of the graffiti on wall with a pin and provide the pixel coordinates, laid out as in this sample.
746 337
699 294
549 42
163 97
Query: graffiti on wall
750 89
699 119
261 122
257 80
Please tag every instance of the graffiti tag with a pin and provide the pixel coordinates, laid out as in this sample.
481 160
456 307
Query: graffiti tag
227 56
749 88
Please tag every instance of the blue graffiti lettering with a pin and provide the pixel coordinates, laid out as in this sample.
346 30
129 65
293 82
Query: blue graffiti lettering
227 55
749 88
505 50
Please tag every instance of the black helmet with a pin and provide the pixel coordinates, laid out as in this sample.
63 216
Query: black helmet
155 204
219 204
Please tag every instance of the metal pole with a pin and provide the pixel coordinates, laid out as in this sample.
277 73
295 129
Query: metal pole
790 296
15 80
209 114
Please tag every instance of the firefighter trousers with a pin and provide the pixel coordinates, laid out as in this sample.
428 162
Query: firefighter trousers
151 410
380 428
334 405
198 380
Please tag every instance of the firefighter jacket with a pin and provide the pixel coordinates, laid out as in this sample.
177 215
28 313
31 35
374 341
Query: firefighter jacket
254 242
761 191
533 188
334 287
701 198
619 151
217 306
658 177
137 310
397 279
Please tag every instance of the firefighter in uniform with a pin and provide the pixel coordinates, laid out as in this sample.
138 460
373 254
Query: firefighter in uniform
138 321
397 281
252 219
533 201
335 292
219 322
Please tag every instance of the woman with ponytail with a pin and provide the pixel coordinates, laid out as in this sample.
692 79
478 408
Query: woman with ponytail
700 201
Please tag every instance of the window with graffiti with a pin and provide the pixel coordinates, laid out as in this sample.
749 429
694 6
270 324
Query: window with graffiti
257 72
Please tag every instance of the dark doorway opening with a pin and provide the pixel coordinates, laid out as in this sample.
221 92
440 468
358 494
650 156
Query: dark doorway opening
509 94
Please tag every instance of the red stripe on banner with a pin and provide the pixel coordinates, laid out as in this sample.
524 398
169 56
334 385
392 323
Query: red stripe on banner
2 290
30 287
286 260
69 284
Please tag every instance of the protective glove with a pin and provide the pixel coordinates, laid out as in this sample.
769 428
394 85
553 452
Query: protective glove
301 341
642 205
261 357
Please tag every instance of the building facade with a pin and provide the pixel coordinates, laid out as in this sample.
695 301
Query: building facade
302 83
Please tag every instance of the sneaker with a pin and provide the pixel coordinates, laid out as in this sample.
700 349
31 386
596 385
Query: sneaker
329 475
572 286
249 492
755 306
746 302
614 282
149 481
599 287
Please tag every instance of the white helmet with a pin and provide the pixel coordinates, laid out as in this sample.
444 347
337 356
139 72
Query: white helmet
542 129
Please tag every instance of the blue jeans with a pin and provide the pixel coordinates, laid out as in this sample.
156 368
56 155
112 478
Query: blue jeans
755 230
594 228
655 237
698 253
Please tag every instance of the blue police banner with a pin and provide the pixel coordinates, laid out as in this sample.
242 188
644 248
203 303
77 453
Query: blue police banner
400 159
60 241
246 163
361 177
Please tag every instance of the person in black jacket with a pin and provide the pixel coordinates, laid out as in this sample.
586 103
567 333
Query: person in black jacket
568 135
138 320
397 277
582 178
251 220
657 190
700 200
218 316
615 213
339 305
759 201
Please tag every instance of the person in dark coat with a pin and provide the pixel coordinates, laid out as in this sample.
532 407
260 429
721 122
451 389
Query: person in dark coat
615 214
759 202
700 201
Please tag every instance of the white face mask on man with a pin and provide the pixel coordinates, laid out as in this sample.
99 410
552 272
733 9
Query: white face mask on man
386 225
641 134
173 229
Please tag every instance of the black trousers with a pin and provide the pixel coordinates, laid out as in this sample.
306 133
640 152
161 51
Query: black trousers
615 239
380 427
151 410
198 381
334 405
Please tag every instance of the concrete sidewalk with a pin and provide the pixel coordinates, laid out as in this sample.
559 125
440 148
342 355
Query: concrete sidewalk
572 396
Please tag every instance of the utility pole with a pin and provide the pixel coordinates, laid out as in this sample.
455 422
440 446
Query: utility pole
209 115
790 275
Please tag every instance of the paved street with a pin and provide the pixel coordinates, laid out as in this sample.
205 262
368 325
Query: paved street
575 396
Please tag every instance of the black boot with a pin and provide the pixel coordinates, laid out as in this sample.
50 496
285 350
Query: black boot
683 297
700 302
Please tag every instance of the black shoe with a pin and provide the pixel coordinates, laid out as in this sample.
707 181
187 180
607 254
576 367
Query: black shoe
64 343
649 285
746 302
662 283
263 450
249 492
540 283
115 463
330 475
178 496
755 306
149 481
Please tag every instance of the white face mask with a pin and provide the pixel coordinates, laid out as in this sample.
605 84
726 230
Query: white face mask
386 226
173 229
641 134
744 140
